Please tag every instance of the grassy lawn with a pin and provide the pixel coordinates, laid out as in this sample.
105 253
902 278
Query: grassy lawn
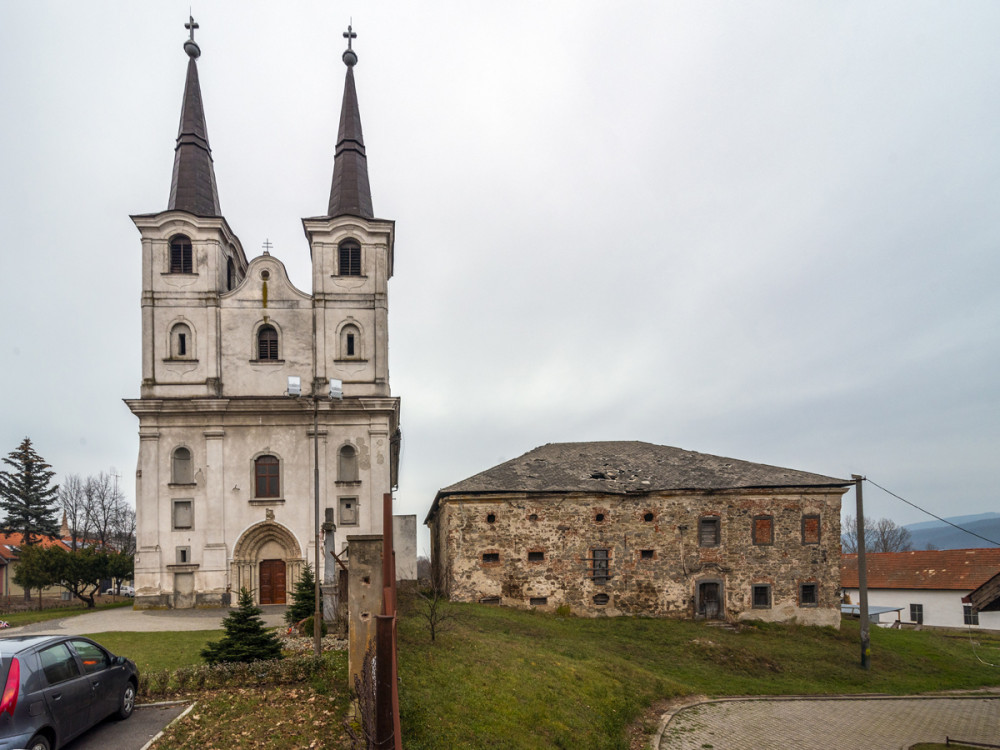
156 651
15 619
503 678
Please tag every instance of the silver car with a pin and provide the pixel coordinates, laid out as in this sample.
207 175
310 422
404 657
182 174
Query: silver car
57 687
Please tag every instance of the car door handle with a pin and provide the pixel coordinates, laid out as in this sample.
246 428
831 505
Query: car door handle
96 684
57 696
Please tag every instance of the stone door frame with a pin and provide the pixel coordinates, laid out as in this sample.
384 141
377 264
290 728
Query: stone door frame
244 569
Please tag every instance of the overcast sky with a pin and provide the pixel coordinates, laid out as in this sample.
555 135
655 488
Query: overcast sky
760 230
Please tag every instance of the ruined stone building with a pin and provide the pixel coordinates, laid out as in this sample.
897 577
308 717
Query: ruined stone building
224 483
635 528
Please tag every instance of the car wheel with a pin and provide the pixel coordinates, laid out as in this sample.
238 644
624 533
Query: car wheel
39 742
127 703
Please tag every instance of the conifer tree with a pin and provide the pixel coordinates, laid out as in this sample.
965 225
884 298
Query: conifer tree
246 639
27 496
303 598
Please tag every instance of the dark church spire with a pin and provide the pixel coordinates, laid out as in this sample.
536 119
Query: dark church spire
350 192
192 187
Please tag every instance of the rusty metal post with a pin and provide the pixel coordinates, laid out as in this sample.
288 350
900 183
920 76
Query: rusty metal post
384 729
866 646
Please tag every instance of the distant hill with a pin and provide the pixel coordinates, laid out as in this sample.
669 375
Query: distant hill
943 536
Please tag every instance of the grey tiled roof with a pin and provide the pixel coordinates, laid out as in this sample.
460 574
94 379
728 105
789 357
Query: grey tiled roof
192 187
350 193
632 466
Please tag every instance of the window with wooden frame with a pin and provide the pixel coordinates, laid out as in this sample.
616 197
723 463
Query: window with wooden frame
917 613
763 530
180 466
808 594
181 259
708 531
810 529
267 481
600 571
267 343
347 464
761 595
349 258
970 616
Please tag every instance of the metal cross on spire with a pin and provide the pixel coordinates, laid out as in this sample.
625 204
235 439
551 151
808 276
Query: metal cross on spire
191 26
349 35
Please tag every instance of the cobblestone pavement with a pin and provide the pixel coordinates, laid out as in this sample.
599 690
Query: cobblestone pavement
832 724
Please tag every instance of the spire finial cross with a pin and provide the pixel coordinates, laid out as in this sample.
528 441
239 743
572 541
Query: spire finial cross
191 26
349 35
267 246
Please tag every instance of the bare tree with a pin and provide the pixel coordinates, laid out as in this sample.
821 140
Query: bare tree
73 498
103 499
883 535
123 529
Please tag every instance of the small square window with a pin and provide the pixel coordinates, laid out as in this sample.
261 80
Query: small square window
917 613
762 596
808 595
708 531
810 529
970 615
183 555
646 554
183 514
536 556
763 530
491 557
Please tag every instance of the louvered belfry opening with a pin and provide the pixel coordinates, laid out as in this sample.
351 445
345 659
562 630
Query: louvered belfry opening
180 255
350 259
267 343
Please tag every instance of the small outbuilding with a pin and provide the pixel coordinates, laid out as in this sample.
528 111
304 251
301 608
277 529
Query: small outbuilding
635 528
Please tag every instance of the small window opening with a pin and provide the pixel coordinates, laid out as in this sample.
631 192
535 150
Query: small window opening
536 556
762 596
180 255
708 532
539 601
350 258
490 600
491 557
599 517
182 348
917 613
230 274
599 566
601 599
648 518
491 518
808 596
533 517
267 343
970 615
646 554
183 555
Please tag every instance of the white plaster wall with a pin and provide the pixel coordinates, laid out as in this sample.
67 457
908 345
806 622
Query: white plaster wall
942 608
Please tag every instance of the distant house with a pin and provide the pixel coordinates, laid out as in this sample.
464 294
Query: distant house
634 528
930 585
10 546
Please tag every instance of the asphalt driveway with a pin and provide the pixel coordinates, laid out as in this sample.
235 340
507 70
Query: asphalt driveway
142 621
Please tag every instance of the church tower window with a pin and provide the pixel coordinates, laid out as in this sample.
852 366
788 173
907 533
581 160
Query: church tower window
230 274
180 469
347 468
267 343
181 342
350 258
350 342
266 477
180 255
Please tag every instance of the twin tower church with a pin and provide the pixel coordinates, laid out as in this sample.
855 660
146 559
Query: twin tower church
225 476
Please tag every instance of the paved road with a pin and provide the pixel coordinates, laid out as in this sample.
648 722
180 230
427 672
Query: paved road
133 734
142 621
832 724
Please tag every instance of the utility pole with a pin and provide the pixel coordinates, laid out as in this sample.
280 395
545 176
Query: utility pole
866 646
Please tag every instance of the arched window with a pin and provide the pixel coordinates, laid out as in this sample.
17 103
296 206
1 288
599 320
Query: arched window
347 467
267 343
180 255
180 469
181 342
350 258
350 342
266 479
230 274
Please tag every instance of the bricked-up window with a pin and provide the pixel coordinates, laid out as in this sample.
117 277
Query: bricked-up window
763 530
917 613
347 464
810 529
180 470
183 514
708 531
539 601
970 615
808 595
266 477
599 571
761 596
491 557
180 255
536 556
350 258
267 343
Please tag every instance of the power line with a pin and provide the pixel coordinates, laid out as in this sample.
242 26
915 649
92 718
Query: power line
943 520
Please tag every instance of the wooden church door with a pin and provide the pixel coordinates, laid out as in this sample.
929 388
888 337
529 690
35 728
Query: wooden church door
272 582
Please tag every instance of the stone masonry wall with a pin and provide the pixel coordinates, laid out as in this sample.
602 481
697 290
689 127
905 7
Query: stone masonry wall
526 550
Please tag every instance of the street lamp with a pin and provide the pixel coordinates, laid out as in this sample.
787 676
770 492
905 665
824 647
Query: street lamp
336 392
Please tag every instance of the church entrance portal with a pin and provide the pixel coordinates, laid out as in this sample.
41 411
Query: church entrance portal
272 582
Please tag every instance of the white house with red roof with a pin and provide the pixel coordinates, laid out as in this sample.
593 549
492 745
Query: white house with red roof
929 585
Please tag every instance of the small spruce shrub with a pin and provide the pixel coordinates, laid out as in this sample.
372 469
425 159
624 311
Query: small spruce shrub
246 638
303 598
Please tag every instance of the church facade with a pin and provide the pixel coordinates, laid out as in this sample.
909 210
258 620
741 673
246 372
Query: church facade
225 475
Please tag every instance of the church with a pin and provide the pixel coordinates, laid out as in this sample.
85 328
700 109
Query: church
247 381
